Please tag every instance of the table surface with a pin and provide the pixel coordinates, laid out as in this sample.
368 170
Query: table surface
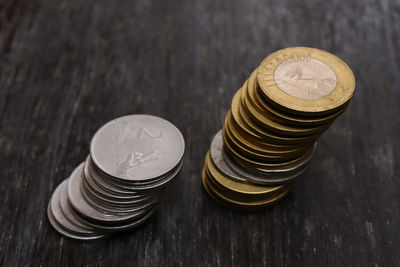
67 67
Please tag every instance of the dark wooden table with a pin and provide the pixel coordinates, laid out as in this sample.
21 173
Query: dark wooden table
69 66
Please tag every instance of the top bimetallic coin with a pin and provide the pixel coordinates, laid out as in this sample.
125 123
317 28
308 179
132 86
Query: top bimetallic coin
137 147
307 81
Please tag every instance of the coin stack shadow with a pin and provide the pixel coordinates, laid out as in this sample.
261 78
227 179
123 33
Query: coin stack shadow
93 202
270 133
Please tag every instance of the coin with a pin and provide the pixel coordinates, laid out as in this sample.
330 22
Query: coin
282 117
118 186
239 187
68 212
219 161
137 147
306 81
56 225
80 205
238 205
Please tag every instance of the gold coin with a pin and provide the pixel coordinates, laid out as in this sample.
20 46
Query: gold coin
281 117
267 157
257 163
245 123
240 191
271 125
238 205
246 162
268 136
240 187
306 81
261 151
258 145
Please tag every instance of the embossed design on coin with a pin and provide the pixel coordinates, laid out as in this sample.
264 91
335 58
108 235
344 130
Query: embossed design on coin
129 130
305 78
133 160
137 147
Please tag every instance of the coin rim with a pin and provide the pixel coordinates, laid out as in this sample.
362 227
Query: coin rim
340 95
173 165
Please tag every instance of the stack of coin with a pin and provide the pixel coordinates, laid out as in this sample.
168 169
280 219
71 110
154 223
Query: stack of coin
270 132
117 187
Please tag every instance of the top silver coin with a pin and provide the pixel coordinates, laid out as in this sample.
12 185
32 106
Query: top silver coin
137 147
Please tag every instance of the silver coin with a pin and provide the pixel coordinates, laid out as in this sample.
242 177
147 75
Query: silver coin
137 147
59 216
116 208
156 186
109 196
116 181
110 228
112 201
108 190
145 215
62 223
80 205
267 179
217 158
65 233
150 188
67 210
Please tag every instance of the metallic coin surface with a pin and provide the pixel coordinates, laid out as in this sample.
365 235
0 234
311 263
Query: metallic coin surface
236 186
218 159
80 205
268 176
137 147
68 212
61 219
65 233
306 80
238 205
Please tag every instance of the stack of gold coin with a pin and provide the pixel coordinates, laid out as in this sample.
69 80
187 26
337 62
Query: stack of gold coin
270 132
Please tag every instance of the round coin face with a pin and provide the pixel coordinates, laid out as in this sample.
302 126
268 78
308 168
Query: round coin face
137 147
306 80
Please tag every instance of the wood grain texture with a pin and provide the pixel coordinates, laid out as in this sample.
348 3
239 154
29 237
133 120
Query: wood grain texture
69 66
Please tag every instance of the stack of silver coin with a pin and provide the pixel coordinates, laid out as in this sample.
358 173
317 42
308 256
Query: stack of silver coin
117 187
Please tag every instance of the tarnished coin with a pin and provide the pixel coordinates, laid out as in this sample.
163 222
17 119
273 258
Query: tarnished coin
137 147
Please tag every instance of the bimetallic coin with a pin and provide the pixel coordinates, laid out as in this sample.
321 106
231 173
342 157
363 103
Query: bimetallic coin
245 189
137 147
282 117
269 124
238 205
306 80
261 157
269 176
259 151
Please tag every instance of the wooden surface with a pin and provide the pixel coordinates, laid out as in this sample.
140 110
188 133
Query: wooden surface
67 67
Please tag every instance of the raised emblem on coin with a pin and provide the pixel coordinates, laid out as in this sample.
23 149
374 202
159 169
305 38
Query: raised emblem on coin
137 147
305 78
